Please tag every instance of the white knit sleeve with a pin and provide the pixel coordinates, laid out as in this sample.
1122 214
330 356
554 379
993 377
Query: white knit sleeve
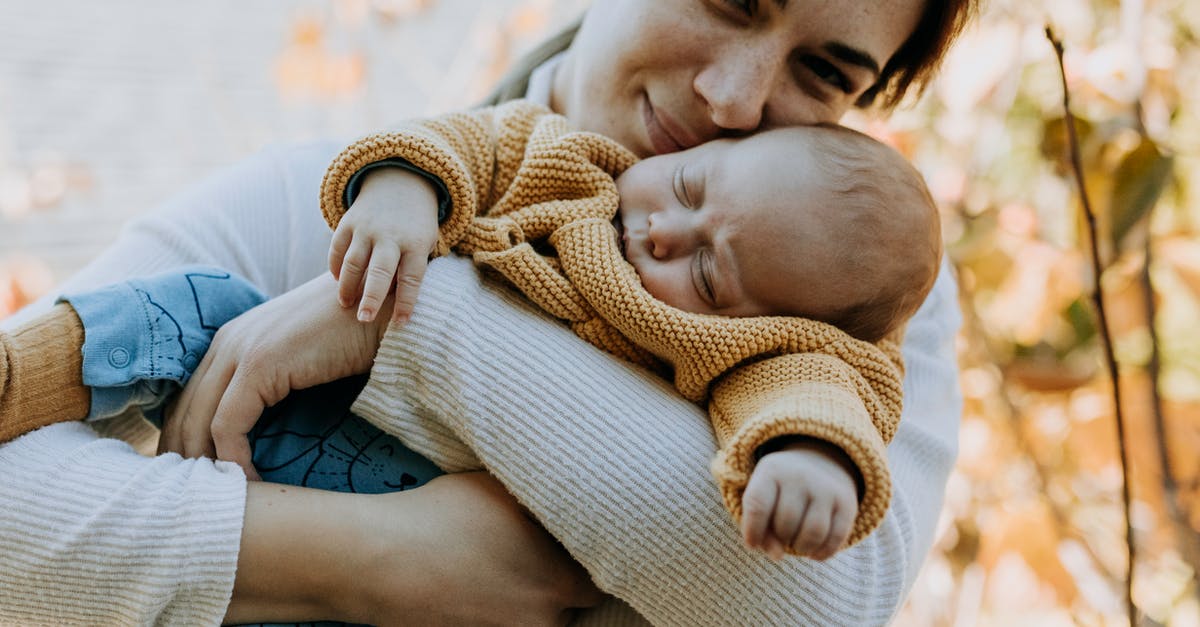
92 533
615 464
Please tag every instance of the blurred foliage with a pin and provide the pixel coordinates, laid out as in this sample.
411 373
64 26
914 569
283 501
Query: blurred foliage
1032 528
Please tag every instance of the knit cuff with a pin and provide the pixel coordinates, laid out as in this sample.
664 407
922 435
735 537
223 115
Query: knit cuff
823 411
354 185
40 382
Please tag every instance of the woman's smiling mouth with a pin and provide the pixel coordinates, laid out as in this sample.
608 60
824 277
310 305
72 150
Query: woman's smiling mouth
665 136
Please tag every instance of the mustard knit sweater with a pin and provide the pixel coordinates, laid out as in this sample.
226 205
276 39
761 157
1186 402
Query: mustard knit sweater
534 202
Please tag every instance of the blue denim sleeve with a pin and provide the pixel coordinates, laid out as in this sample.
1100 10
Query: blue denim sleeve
144 337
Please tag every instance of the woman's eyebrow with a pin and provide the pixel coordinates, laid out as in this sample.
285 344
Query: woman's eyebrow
853 56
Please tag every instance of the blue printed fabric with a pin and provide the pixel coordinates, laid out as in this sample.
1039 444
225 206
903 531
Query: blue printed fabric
312 439
143 338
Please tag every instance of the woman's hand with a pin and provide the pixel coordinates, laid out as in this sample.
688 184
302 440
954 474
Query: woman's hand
457 551
300 339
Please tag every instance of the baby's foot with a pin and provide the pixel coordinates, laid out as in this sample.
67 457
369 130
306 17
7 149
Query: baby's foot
143 338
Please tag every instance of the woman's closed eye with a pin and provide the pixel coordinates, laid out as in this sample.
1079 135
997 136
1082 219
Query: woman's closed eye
825 72
746 7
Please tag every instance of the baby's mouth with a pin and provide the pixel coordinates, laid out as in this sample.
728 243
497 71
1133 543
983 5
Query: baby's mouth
622 240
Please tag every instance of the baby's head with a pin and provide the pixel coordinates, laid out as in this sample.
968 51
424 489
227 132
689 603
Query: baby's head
819 222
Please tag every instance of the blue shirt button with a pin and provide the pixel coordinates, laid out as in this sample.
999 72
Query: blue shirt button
190 361
118 357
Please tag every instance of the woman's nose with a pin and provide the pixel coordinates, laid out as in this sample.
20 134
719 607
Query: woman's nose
736 85
669 236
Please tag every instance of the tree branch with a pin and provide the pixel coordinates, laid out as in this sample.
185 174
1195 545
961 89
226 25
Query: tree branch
1106 334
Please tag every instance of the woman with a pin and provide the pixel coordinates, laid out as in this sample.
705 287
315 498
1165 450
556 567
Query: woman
681 72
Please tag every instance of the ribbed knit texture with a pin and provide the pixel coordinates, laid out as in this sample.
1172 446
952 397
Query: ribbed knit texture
90 533
521 183
613 463
609 456
85 539
41 380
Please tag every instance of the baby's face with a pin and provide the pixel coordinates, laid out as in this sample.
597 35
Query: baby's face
736 228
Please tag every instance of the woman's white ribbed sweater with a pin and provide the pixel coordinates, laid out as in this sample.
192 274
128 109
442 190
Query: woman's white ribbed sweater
609 458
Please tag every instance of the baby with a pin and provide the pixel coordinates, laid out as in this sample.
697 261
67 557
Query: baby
721 258
820 223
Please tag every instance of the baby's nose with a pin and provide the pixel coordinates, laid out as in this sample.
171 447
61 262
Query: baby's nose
671 234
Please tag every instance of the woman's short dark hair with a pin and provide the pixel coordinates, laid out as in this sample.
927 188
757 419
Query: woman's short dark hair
919 56
911 67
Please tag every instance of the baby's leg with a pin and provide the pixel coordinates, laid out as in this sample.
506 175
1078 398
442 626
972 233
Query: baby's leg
128 344
143 338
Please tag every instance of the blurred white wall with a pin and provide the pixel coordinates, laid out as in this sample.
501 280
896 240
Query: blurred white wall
106 108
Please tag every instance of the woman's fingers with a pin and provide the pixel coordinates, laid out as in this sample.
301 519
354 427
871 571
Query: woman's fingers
234 417
205 386
171 439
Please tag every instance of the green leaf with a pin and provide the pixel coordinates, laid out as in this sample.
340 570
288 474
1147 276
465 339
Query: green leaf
1082 317
1055 146
1137 185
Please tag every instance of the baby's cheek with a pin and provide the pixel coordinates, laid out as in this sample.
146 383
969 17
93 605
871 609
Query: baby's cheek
657 282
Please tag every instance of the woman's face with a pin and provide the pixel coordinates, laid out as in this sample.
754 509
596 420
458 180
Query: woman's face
664 75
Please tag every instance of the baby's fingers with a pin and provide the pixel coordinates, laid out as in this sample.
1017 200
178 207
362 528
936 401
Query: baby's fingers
338 247
815 527
381 271
408 285
758 501
839 530
354 266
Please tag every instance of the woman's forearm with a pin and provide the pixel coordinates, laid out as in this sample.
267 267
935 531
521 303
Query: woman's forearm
456 551
290 556
615 465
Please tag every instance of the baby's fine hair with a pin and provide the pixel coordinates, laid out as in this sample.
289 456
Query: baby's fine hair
891 206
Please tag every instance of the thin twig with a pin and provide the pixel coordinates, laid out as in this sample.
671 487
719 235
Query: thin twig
1106 334
1189 543
1178 512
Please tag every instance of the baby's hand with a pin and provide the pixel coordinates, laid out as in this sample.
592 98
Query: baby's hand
380 242
802 496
